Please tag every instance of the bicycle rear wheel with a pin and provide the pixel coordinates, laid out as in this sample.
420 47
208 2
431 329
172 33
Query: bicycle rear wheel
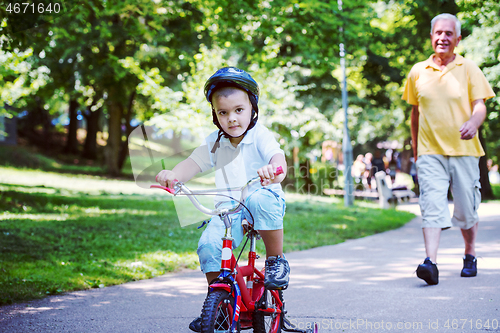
264 322
217 313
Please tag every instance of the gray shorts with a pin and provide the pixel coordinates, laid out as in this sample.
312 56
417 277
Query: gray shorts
437 173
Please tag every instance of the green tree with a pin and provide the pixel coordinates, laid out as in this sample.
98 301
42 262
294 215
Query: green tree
26 87
94 38
482 45
17 80
399 39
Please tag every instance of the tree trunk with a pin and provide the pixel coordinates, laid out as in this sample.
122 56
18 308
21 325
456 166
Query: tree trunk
112 149
486 190
90 146
27 126
128 130
308 187
72 142
45 119
176 142
405 156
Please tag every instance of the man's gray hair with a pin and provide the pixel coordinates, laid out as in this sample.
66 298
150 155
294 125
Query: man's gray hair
447 16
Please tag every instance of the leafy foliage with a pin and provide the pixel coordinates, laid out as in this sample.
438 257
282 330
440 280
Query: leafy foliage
148 58
483 46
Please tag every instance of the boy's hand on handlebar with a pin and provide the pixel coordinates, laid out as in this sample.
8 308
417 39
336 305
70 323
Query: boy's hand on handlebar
166 178
268 174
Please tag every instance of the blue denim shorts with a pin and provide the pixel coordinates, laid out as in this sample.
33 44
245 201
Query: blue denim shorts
267 208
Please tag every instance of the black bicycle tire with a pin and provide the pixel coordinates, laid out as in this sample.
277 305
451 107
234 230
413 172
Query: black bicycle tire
210 313
259 319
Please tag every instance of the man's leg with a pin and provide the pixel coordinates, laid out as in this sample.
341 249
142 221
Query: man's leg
434 180
470 239
428 270
431 241
466 197
470 261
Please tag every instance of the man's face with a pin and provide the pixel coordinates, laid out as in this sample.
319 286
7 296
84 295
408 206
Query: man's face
444 37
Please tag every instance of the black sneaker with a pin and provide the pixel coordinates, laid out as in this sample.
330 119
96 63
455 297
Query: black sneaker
428 272
195 325
470 266
277 273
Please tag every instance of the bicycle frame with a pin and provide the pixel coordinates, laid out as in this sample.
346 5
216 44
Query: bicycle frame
246 295
232 276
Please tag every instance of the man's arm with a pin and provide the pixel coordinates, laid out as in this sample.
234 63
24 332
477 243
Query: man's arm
414 130
470 127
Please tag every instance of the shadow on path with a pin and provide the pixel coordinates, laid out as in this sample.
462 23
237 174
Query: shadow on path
363 285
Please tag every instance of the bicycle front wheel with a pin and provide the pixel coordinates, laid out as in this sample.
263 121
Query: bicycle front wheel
268 322
217 313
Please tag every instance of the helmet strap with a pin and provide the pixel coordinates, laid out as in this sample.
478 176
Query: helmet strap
217 142
222 133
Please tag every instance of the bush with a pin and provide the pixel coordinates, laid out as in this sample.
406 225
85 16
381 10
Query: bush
324 175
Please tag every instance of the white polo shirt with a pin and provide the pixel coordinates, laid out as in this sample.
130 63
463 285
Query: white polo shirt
235 166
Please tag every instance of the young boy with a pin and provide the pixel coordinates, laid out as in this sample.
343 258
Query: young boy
239 150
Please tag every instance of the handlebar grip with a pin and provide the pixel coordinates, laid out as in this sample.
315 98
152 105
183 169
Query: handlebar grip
279 171
168 189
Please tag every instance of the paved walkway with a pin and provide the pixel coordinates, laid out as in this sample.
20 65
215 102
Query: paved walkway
363 285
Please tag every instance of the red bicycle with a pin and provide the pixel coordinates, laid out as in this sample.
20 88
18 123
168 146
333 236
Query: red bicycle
237 298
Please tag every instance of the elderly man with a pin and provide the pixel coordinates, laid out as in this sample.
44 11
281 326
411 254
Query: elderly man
447 94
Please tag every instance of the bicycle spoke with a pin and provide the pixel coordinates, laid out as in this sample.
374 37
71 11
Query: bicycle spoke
224 319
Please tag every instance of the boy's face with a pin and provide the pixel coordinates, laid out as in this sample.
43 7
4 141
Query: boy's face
233 110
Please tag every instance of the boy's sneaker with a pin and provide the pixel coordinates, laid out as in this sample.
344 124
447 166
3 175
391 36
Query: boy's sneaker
277 273
196 325
428 272
470 266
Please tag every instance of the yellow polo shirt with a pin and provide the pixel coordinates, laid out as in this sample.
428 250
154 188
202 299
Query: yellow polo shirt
444 101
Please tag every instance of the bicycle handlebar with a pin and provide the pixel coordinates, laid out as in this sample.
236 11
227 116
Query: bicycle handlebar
179 187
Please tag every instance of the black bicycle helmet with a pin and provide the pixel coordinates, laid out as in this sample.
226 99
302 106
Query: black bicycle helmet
238 78
233 77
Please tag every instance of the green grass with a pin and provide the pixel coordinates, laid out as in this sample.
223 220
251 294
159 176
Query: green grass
496 190
30 158
52 242
313 223
65 232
